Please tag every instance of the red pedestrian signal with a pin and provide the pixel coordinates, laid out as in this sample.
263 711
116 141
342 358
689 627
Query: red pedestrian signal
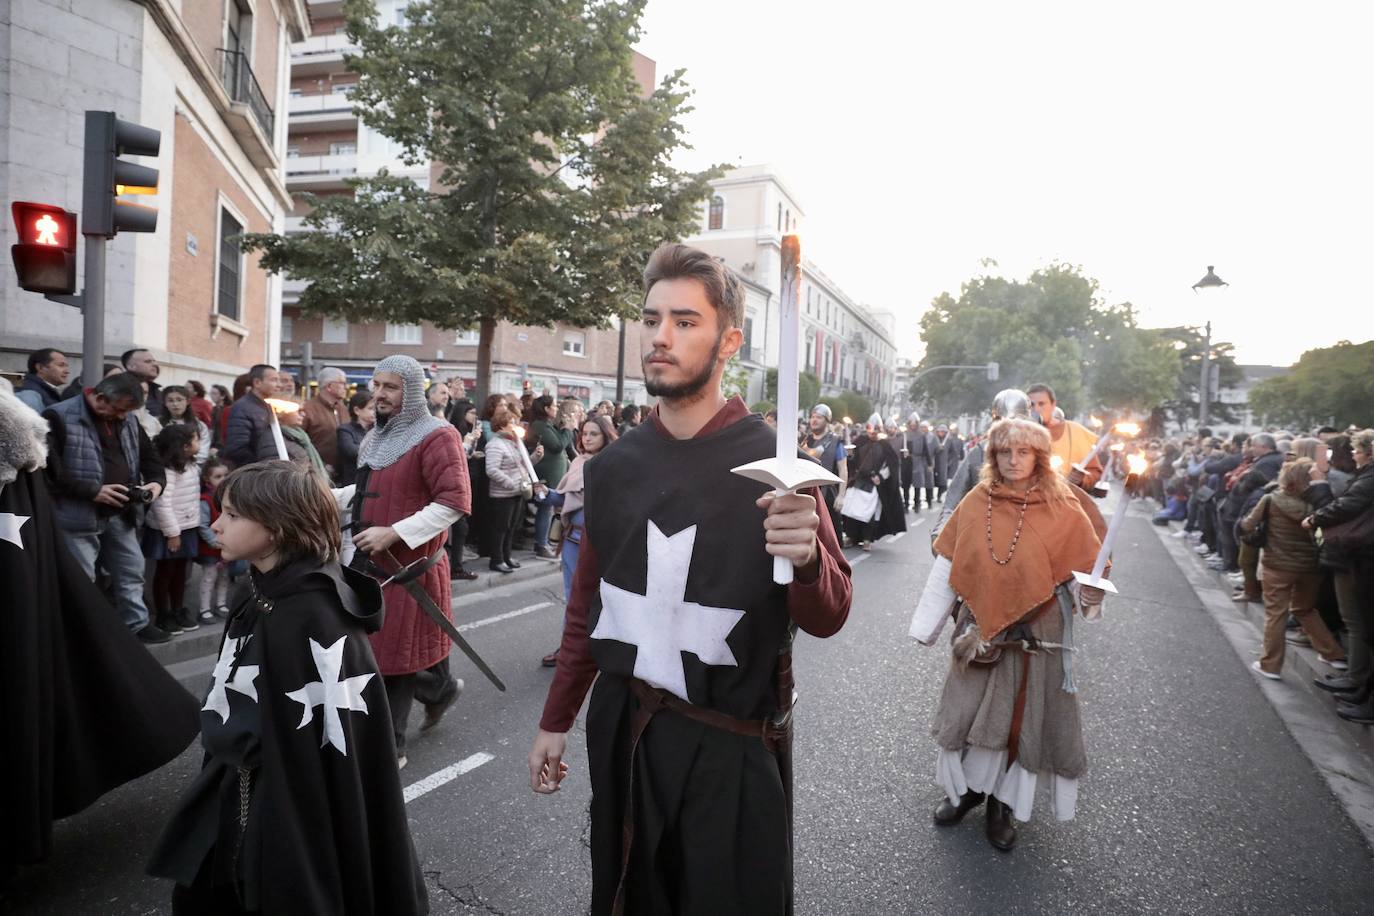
45 258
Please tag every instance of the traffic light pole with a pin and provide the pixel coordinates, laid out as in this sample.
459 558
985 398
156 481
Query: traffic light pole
93 312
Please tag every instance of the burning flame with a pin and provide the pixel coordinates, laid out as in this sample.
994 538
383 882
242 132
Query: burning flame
279 405
847 421
1118 446
1136 464
1056 462
1128 429
1095 421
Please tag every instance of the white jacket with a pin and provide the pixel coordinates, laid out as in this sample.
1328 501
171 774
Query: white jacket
178 508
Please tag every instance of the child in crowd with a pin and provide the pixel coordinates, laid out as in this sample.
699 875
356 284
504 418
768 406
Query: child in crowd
215 572
176 408
170 538
298 805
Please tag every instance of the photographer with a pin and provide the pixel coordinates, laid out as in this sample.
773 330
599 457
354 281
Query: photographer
103 473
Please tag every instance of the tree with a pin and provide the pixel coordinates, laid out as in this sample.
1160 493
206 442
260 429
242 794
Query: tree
734 381
1184 404
553 181
808 388
1332 385
1051 328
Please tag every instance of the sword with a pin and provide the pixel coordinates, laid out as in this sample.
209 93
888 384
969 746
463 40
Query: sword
406 576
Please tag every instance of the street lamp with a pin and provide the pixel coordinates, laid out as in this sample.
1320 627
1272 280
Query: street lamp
1209 282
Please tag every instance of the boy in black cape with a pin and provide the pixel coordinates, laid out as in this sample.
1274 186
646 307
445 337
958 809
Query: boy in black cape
83 706
675 614
298 808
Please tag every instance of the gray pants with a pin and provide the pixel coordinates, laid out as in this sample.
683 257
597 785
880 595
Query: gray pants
1357 648
115 545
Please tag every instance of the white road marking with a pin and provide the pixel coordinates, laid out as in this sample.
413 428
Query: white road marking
446 775
519 612
859 559
899 535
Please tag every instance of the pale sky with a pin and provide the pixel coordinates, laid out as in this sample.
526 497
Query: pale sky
1141 142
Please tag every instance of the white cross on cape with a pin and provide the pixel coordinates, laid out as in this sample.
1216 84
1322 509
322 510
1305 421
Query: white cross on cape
218 700
10 525
661 623
332 693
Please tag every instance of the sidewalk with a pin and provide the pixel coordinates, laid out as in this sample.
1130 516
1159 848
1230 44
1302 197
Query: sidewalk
190 657
1341 751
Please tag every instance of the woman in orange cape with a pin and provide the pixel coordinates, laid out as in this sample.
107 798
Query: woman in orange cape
1008 714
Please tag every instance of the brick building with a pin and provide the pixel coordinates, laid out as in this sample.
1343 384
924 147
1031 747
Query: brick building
211 76
327 144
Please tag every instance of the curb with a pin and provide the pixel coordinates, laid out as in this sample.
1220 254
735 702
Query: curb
1342 752
179 655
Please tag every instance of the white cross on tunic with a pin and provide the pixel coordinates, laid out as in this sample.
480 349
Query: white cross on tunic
661 623
242 682
332 693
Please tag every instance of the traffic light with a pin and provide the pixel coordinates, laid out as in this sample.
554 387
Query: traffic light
45 257
107 177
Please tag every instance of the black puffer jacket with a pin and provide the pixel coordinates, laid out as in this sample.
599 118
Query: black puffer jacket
1356 501
1264 470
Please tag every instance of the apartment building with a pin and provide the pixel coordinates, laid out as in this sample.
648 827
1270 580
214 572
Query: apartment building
847 346
212 76
327 143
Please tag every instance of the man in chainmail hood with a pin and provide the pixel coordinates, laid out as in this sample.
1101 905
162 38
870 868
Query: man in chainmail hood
412 486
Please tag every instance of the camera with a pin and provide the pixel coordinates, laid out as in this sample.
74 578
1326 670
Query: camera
141 494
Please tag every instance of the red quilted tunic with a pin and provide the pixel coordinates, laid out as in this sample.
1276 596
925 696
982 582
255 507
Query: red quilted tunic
435 471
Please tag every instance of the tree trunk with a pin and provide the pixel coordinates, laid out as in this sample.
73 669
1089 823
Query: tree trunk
486 334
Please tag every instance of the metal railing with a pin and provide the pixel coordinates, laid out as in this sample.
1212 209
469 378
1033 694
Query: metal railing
242 86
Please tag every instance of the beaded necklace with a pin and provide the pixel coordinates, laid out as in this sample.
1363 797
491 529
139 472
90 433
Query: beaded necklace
1020 521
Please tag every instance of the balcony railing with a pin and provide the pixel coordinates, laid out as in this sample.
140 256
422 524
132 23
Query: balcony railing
243 87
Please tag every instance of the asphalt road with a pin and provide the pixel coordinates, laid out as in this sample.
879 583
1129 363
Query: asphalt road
1197 799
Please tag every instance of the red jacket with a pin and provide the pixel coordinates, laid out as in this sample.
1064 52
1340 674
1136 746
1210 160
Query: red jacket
433 471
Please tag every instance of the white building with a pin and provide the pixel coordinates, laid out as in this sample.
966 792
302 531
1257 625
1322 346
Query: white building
846 345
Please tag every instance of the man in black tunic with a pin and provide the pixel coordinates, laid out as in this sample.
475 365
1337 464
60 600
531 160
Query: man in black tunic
674 606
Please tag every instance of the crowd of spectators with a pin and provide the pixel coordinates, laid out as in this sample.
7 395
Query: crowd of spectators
1288 519
135 466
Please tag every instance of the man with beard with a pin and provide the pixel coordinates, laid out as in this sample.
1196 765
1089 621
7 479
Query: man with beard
412 485
675 615
827 449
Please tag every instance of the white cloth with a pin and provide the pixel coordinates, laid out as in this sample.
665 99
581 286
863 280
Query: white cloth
415 529
937 600
981 769
861 505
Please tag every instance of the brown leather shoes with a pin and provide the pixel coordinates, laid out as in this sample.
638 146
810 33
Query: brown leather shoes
1001 830
947 814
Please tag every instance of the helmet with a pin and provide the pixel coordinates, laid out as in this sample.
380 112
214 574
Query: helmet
1011 402
875 421
822 409
914 417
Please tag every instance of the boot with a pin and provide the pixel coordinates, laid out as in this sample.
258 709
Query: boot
947 814
435 711
1001 831
1357 697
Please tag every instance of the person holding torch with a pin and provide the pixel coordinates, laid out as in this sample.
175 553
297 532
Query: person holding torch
1004 572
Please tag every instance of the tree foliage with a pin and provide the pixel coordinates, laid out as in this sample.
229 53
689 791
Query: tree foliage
1189 343
552 180
1052 328
1332 385
808 388
853 404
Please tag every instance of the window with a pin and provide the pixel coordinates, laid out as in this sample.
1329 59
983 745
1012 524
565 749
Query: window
296 92
468 338
334 331
717 214
230 273
293 152
404 334
343 148
238 28
748 336
779 217
287 328
574 343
